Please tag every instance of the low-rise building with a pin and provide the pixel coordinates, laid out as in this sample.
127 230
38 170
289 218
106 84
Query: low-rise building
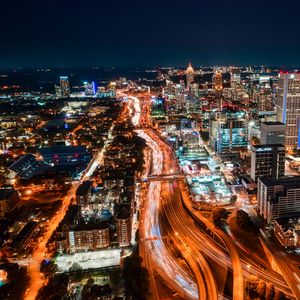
287 232
9 199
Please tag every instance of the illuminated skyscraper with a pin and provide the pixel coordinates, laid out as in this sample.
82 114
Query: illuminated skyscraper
267 160
190 75
64 86
218 81
235 76
228 131
288 107
89 88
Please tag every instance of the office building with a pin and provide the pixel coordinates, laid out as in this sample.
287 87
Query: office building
272 133
123 220
228 131
288 107
194 89
235 76
64 86
190 75
278 198
218 81
267 160
89 88
264 100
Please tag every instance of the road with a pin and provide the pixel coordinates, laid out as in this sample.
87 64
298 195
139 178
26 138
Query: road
190 236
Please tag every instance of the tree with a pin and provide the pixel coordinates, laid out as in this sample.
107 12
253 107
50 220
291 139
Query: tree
261 289
48 267
75 267
279 295
252 286
136 278
269 291
219 214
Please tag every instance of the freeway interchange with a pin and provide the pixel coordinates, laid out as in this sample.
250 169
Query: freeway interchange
167 215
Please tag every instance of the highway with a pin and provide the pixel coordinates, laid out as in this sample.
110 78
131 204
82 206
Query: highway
191 239
156 256
186 287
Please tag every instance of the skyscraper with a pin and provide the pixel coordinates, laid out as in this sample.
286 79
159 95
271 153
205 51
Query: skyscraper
235 76
228 130
218 81
272 133
288 107
89 88
267 160
64 86
190 75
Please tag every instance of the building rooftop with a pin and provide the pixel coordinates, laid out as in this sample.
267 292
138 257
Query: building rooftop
56 150
290 182
28 166
22 163
273 123
267 146
6 191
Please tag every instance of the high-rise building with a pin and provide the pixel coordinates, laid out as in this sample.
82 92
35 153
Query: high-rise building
228 131
89 88
267 160
57 91
272 133
64 86
194 89
235 76
288 107
190 75
218 81
278 198
123 219
264 100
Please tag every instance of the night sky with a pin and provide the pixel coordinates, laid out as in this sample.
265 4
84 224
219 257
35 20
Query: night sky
149 32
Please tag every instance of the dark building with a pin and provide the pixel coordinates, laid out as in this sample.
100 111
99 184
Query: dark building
83 193
267 160
278 198
65 155
124 223
9 199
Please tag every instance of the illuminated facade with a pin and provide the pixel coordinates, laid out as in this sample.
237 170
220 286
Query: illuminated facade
158 108
64 86
267 160
218 81
278 198
89 88
190 75
272 133
235 77
288 107
228 130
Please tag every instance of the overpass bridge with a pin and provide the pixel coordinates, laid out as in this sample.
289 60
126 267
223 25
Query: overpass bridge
162 177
